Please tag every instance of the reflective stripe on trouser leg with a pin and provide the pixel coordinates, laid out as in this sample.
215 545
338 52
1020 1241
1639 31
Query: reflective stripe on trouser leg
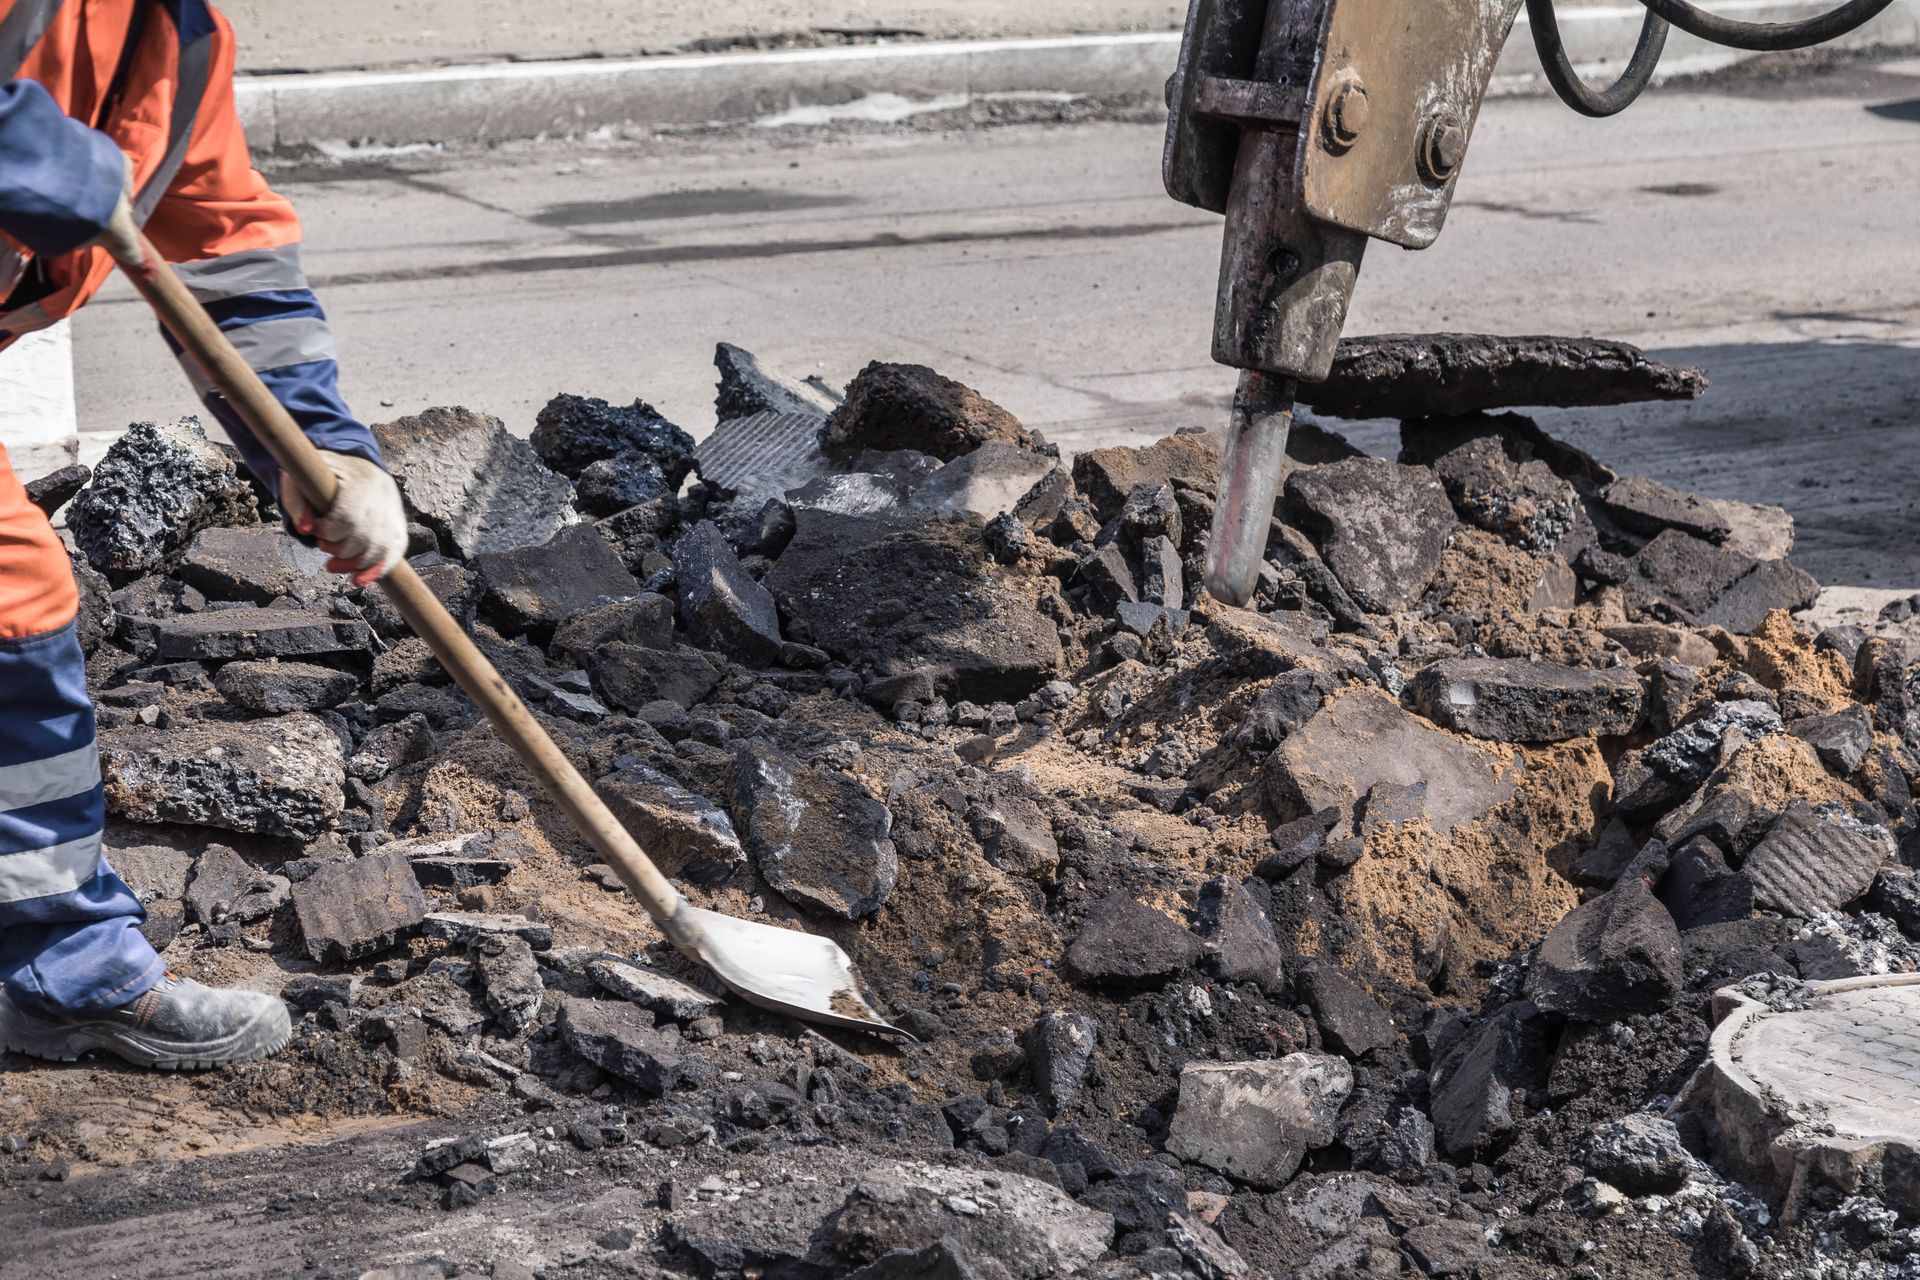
69 927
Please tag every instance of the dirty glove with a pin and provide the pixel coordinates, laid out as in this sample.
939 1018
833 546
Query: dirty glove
365 531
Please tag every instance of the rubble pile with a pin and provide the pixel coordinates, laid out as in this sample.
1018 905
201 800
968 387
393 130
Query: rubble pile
1370 930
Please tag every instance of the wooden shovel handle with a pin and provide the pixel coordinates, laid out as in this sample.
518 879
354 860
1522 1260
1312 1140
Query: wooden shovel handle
275 428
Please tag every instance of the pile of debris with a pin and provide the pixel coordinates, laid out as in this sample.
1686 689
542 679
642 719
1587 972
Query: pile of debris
1369 930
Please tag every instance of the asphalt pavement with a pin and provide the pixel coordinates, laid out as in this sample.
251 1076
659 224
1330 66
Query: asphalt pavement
1761 228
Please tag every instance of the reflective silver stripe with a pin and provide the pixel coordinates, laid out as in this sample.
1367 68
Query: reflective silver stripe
234 275
21 29
55 778
273 344
196 63
60 868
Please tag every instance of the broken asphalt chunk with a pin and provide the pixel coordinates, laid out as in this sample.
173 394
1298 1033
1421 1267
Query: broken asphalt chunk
1514 700
350 910
747 387
535 589
686 834
816 835
470 480
1123 945
156 487
723 607
571 433
1419 375
283 776
621 1040
1380 526
1616 955
909 406
276 688
1255 1121
256 633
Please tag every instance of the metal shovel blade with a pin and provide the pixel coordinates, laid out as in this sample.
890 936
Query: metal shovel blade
790 972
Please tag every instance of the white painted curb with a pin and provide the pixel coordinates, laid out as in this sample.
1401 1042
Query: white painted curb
500 101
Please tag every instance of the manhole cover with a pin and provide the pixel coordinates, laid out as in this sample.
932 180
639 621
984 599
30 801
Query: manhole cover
1818 1083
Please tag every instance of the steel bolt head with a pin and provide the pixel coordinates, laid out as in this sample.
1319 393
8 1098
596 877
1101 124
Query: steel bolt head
1347 114
1443 145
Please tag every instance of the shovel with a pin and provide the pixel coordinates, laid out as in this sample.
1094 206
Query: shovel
780 969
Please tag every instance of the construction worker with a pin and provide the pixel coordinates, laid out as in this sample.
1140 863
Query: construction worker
117 115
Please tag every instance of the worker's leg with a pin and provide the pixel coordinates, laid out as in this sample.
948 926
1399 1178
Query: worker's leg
69 928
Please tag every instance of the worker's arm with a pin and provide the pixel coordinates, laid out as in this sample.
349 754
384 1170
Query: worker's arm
237 245
58 178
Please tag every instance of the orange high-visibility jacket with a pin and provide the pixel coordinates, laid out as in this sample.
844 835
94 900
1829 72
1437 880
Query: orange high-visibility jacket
155 79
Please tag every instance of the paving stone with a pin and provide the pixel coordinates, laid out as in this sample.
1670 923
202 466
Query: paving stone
1240 946
1255 1121
1479 1087
350 910
275 688
1059 1047
1842 739
535 589
631 676
1106 476
1514 700
890 596
1351 1022
571 433
1126 946
157 486
723 607
747 387
1814 860
1414 375
471 481
1615 955
909 406
1381 527
650 989
511 979
247 632
990 480
816 835
1641 1154
283 776
622 1040
1361 739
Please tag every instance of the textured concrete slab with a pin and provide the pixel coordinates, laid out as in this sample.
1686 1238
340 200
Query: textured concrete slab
1817 1084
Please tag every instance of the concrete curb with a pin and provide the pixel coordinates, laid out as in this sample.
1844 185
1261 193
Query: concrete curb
501 101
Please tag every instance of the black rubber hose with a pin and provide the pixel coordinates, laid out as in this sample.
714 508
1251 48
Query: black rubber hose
1767 37
1566 82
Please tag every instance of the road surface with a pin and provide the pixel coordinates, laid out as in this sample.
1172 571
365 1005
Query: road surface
1762 229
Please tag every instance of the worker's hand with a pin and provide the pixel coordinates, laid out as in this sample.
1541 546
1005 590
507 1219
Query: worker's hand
365 531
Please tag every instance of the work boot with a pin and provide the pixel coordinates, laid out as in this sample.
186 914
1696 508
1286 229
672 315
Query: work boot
178 1025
